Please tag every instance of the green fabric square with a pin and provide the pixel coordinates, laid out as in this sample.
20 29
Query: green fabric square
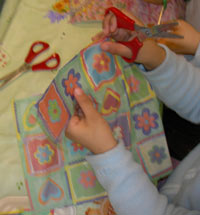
83 183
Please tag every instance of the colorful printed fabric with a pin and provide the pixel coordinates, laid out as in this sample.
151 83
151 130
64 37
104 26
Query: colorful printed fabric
87 10
56 173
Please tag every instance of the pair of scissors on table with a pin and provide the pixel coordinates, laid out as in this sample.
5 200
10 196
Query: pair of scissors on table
32 54
141 32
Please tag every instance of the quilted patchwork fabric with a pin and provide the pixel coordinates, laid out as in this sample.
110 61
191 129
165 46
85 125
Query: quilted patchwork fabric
56 172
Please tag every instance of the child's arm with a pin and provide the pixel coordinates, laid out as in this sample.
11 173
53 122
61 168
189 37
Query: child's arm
129 189
177 83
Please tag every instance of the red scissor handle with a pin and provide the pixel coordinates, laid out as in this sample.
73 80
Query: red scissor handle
32 54
135 46
125 22
44 65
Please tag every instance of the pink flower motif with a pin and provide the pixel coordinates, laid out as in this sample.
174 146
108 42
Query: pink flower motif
101 62
133 84
87 179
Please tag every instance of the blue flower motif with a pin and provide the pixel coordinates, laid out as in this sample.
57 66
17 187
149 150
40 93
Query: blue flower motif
44 154
146 121
71 83
157 154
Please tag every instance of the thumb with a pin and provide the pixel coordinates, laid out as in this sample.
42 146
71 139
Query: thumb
116 49
85 103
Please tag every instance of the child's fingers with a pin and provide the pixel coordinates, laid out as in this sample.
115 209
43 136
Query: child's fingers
98 36
71 128
85 103
109 24
116 48
105 24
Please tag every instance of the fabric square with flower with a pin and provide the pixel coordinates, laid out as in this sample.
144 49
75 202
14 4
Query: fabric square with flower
83 183
42 155
100 67
137 89
71 82
153 155
53 112
146 120
70 77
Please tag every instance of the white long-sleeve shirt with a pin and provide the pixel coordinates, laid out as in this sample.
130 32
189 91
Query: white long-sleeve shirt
177 83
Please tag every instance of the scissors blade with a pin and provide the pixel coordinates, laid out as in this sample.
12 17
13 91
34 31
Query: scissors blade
144 32
13 75
165 27
159 31
168 35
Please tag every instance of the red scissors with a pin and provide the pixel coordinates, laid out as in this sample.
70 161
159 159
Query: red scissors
142 33
32 54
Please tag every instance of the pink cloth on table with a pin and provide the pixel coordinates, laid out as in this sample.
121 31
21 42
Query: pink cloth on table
146 12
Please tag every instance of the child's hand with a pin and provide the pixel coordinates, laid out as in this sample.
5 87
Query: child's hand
187 45
90 129
111 30
150 55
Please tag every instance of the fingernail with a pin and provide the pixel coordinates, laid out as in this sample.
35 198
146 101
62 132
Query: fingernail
78 91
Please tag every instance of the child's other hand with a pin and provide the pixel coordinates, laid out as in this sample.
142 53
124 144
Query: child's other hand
187 45
90 130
